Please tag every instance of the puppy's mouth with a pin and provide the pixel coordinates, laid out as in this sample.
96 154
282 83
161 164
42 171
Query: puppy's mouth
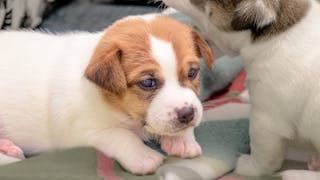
168 132
170 129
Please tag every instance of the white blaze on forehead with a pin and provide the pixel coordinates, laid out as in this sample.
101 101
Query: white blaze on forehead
146 17
162 116
163 53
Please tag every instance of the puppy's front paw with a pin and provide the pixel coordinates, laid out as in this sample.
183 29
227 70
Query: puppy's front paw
142 162
180 146
8 148
246 165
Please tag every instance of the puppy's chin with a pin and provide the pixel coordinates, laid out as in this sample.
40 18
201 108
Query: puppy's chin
172 132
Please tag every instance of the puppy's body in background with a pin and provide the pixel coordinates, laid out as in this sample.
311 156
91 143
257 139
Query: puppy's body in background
104 90
278 41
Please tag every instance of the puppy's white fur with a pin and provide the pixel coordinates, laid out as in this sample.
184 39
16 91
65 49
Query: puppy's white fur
283 81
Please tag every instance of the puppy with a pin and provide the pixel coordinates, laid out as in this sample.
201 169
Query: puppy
278 41
136 80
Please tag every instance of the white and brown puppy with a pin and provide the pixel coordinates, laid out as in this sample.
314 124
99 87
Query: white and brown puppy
137 79
279 41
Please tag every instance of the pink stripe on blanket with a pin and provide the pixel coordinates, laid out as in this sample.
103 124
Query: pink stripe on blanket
229 96
105 168
221 102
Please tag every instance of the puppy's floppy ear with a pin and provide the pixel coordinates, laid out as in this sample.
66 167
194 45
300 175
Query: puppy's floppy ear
203 49
105 69
254 14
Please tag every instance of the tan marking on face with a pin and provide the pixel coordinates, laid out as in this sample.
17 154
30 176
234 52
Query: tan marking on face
183 75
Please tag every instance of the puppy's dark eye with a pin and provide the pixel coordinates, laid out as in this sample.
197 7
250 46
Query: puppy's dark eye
192 74
148 84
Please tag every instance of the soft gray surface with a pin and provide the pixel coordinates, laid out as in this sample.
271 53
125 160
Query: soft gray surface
85 15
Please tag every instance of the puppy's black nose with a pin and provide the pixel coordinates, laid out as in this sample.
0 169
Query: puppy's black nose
185 114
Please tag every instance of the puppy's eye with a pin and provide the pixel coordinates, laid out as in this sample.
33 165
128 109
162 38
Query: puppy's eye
148 84
192 74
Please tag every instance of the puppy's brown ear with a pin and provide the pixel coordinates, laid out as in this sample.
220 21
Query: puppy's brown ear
203 49
105 69
254 14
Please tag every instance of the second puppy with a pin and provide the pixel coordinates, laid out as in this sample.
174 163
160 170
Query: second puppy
279 42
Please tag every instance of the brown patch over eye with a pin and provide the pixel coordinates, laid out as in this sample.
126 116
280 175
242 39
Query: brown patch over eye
143 94
193 73
148 84
188 75
144 80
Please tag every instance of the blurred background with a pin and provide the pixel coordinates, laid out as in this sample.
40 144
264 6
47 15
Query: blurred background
66 15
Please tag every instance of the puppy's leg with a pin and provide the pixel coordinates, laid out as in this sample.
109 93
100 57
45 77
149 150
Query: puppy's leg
267 151
128 149
184 145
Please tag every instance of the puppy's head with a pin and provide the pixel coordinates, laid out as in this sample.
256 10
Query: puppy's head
261 17
147 68
229 15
